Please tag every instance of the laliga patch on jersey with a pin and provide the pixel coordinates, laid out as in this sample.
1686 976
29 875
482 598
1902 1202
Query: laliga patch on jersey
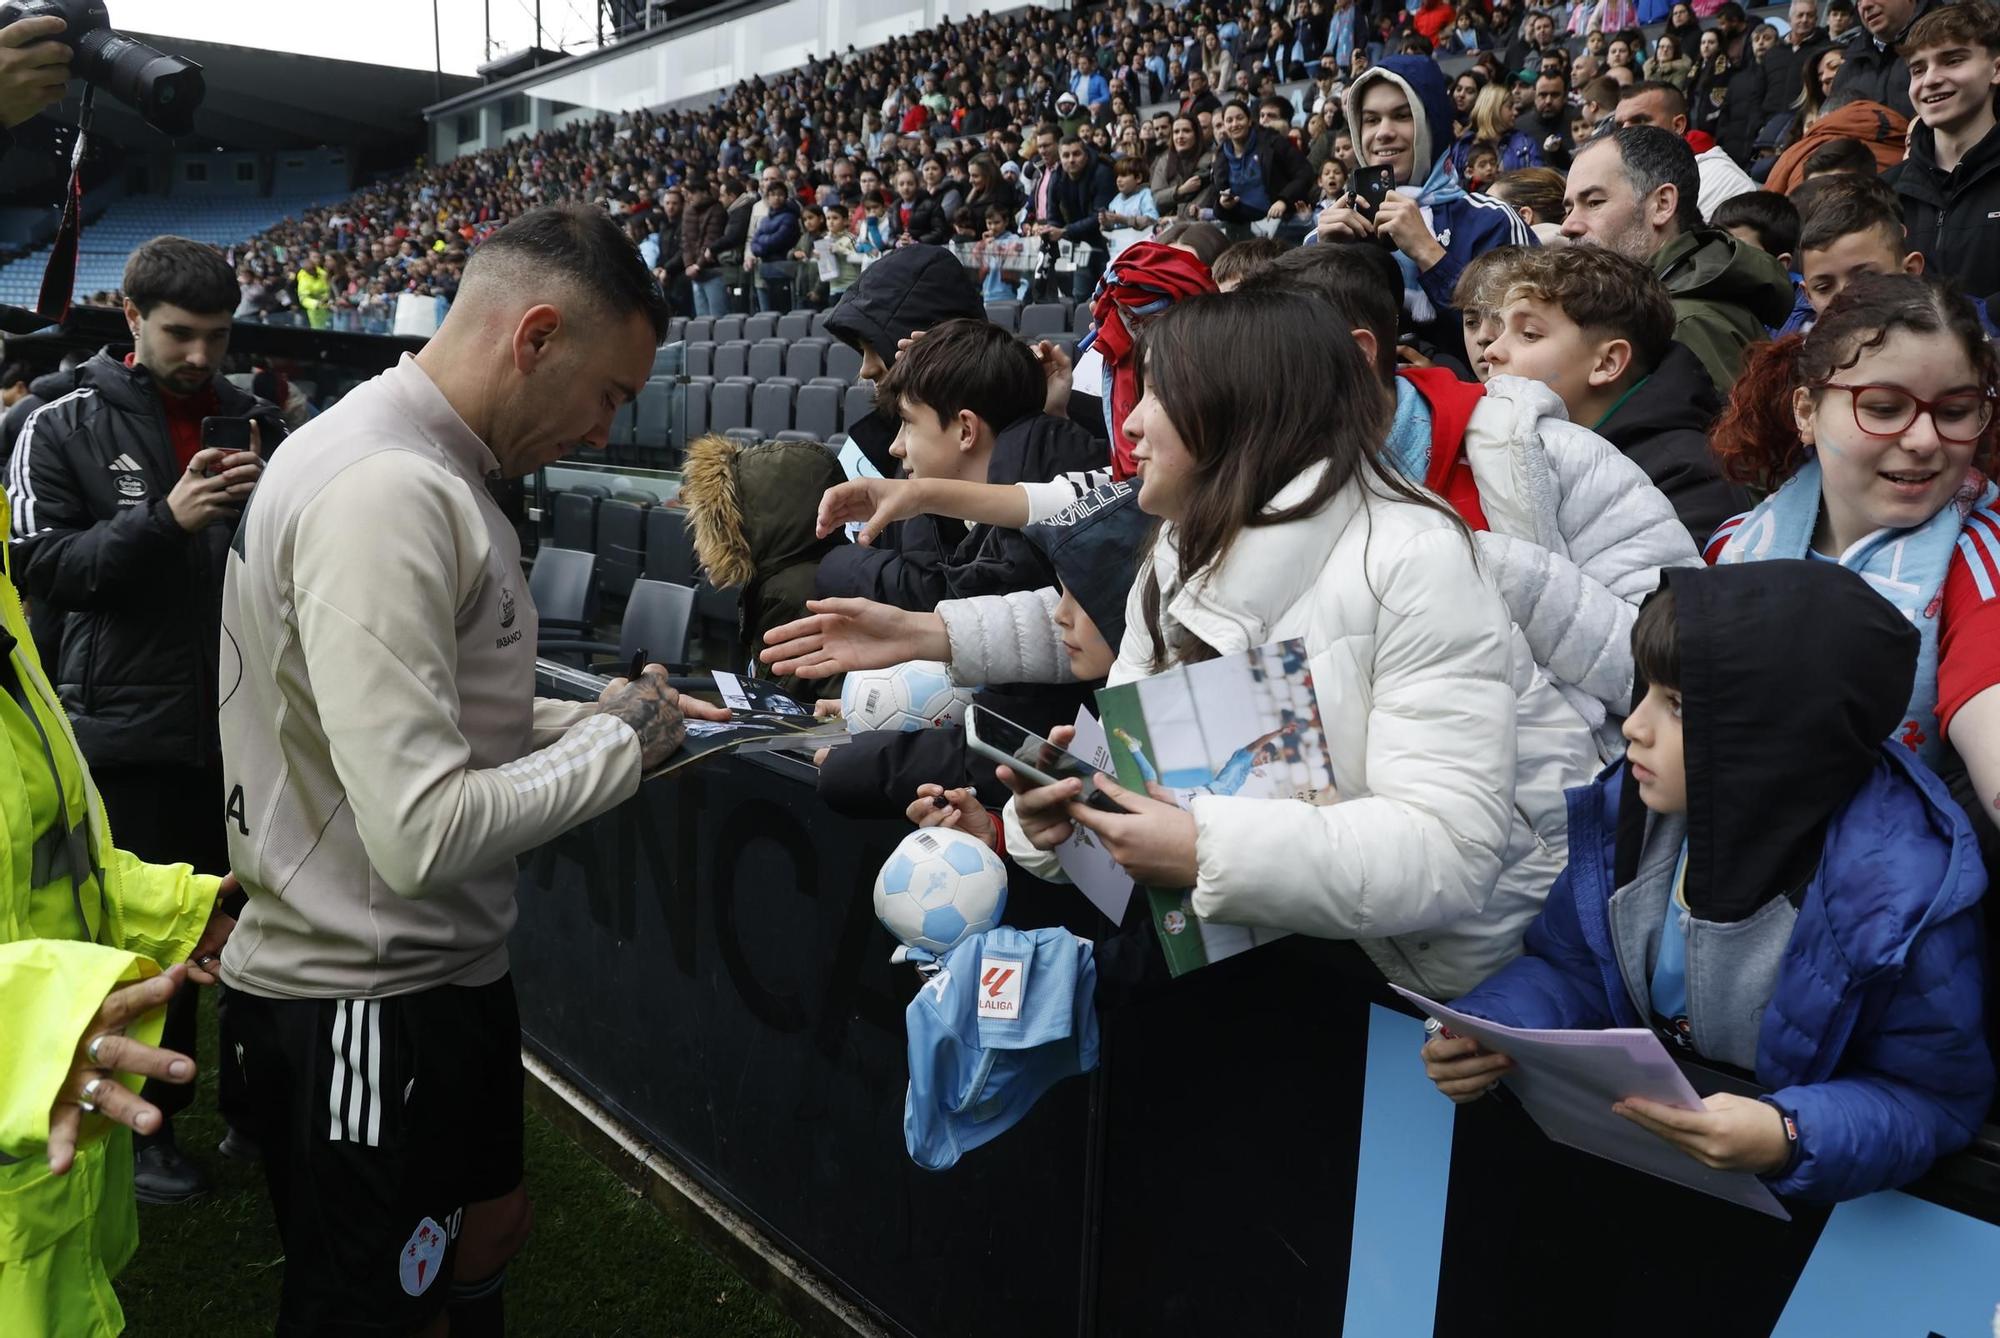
418 1265
1000 982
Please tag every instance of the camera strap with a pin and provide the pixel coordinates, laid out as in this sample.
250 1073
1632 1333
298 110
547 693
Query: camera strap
59 280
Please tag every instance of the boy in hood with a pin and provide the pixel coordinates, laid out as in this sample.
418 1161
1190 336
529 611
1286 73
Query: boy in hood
1401 114
750 510
1771 887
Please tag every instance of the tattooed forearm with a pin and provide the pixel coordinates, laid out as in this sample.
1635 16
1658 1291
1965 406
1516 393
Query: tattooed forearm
652 709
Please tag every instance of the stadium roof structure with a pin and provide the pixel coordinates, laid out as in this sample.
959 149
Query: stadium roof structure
272 100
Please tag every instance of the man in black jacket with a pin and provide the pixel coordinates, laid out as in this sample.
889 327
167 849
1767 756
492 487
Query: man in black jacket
1082 190
1735 127
121 522
1872 68
1949 185
1547 122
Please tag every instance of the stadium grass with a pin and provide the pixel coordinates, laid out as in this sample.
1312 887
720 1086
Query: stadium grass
602 1260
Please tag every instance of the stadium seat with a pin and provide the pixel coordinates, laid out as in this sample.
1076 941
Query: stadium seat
819 323
669 359
621 543
771 405
658 617
729 406
1006 314
716 616
677 329
694 411
795 325
669 546
1043 319
732 359
793 434
744 436
563 585
1080 320
574 513
767 359
1065 342
700 329
728 327
623 424
817 410
856 404
804 359
760 325
700 358
655 404
842 361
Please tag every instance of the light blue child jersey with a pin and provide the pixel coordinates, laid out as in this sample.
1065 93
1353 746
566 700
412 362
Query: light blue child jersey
1008 1015
1670 975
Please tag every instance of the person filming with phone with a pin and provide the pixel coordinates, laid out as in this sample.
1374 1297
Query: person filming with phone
1401 115
121 518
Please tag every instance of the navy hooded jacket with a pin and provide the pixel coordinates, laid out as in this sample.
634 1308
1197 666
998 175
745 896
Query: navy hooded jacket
1871 1040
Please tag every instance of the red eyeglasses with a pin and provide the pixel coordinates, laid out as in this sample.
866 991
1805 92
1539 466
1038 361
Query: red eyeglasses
1888 411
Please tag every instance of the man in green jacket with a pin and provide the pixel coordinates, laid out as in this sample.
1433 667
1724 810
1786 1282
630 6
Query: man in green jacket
1634 191
85 932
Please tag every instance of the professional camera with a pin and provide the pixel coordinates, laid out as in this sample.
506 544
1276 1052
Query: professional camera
165 90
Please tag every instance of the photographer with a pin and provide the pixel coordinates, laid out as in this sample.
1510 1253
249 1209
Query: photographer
34 70
121 522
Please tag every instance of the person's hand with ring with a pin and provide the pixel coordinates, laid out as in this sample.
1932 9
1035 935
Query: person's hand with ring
105 1052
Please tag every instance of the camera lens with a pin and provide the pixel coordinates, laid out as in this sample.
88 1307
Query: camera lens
165 90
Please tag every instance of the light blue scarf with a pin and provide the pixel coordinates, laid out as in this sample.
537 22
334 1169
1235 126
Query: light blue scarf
1409 444
1441 187
1906 567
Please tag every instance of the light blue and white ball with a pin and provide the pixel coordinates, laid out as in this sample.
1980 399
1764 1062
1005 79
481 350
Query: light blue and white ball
939 887
913 695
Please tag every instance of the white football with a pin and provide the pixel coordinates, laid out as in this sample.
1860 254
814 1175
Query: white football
940 886
913 695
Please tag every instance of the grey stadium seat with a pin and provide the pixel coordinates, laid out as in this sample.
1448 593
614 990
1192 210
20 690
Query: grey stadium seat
817 410
842 361
655 403
855 405
669 546
732 359
804 358
1044 319
745 436
621 543
677 329
694 410
762 325
623 424
700 329
1006 314
795 325
728 327
574 511
729 406
767 359
819 322
793 434
563 585
701 359
771 405
1081 320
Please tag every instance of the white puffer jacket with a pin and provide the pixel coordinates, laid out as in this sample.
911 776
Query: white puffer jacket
1579 535
1450 750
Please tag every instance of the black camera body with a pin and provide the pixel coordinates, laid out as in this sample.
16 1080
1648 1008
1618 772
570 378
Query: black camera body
165 90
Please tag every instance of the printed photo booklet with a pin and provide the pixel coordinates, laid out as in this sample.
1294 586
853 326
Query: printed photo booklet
762 719
1245 725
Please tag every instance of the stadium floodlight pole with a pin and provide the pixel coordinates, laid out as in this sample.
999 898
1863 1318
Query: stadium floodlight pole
437 55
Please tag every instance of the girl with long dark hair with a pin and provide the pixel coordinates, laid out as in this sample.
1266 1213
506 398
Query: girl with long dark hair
1280 519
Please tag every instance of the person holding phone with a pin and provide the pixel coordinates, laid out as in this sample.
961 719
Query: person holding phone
1401 114
1181 174
1279 519
123 509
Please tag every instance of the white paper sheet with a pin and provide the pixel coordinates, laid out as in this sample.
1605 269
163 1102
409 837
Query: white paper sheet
1568 1081
1095 873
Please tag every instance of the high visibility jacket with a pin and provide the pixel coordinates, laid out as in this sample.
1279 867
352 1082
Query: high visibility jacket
66 942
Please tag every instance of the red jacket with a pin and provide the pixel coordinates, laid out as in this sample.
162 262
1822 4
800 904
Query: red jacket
1451 404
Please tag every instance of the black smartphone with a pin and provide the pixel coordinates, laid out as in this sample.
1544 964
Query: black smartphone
1372 185
226 434
1000 740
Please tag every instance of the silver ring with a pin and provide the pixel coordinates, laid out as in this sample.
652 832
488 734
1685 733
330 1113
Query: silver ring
96 1041
88 1102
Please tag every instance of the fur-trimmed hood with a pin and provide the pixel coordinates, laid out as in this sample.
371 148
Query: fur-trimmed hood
751 508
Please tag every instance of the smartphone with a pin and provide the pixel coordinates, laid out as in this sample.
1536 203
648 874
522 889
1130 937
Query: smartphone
225 434
1000 740
1372 184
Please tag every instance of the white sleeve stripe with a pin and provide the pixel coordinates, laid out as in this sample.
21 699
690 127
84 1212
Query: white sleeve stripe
571 753
357 1090
374 1073
335 1088
20 481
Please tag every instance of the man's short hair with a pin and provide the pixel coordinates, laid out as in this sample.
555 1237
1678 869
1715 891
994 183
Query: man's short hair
1732 11
1603 90
1360 281
1842 204
1067 140
1677 103
1653 158
1242 259
1281 104
1840 7
583 247
190 275
1770 215
1974 24
967 363
1846 156
1600 290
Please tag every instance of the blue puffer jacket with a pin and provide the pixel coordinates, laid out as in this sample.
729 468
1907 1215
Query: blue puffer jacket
1516 150
777 234
1872 1041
